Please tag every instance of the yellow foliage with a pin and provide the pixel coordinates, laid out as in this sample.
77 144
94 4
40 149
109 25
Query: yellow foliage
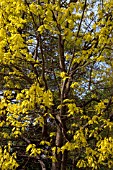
56 74
7 161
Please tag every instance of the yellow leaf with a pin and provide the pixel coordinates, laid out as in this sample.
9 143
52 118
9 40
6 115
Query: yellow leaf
30 146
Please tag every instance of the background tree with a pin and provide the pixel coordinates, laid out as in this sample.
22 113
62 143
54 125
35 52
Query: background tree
56 84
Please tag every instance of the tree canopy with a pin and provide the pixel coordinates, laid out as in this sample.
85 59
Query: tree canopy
56 84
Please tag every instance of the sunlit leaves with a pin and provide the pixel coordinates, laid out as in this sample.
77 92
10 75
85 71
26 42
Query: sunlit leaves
73 109
46 111
34 151
7 160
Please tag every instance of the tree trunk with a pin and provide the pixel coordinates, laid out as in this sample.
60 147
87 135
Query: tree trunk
64 160
57 165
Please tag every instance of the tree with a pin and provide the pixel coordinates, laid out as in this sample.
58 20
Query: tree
56 84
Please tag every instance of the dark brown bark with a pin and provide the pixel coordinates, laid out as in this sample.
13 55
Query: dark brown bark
64 160
61 53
